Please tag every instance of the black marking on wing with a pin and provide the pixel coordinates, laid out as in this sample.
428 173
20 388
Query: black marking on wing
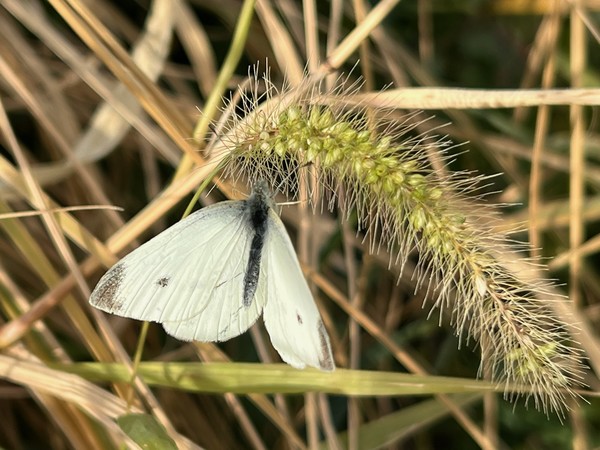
163 281
299 318
257 208
325 358
106 294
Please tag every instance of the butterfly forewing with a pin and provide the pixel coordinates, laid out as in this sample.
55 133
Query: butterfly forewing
189 277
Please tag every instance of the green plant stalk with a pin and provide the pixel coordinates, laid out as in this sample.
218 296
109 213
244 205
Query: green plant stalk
228 68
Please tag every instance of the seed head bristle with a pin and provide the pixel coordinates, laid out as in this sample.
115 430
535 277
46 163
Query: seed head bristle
406 205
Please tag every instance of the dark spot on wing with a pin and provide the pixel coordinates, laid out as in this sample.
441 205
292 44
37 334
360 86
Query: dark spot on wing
325 358
299 318
163 281
106 294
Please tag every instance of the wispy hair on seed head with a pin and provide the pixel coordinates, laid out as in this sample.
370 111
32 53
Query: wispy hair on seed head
405 206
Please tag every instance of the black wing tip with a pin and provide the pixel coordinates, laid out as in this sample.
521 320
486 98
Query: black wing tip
105 295
327 365
326 362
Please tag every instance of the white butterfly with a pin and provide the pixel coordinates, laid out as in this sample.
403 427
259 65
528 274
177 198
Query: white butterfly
209 276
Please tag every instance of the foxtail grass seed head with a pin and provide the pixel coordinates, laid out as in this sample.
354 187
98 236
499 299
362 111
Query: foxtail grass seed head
405 205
